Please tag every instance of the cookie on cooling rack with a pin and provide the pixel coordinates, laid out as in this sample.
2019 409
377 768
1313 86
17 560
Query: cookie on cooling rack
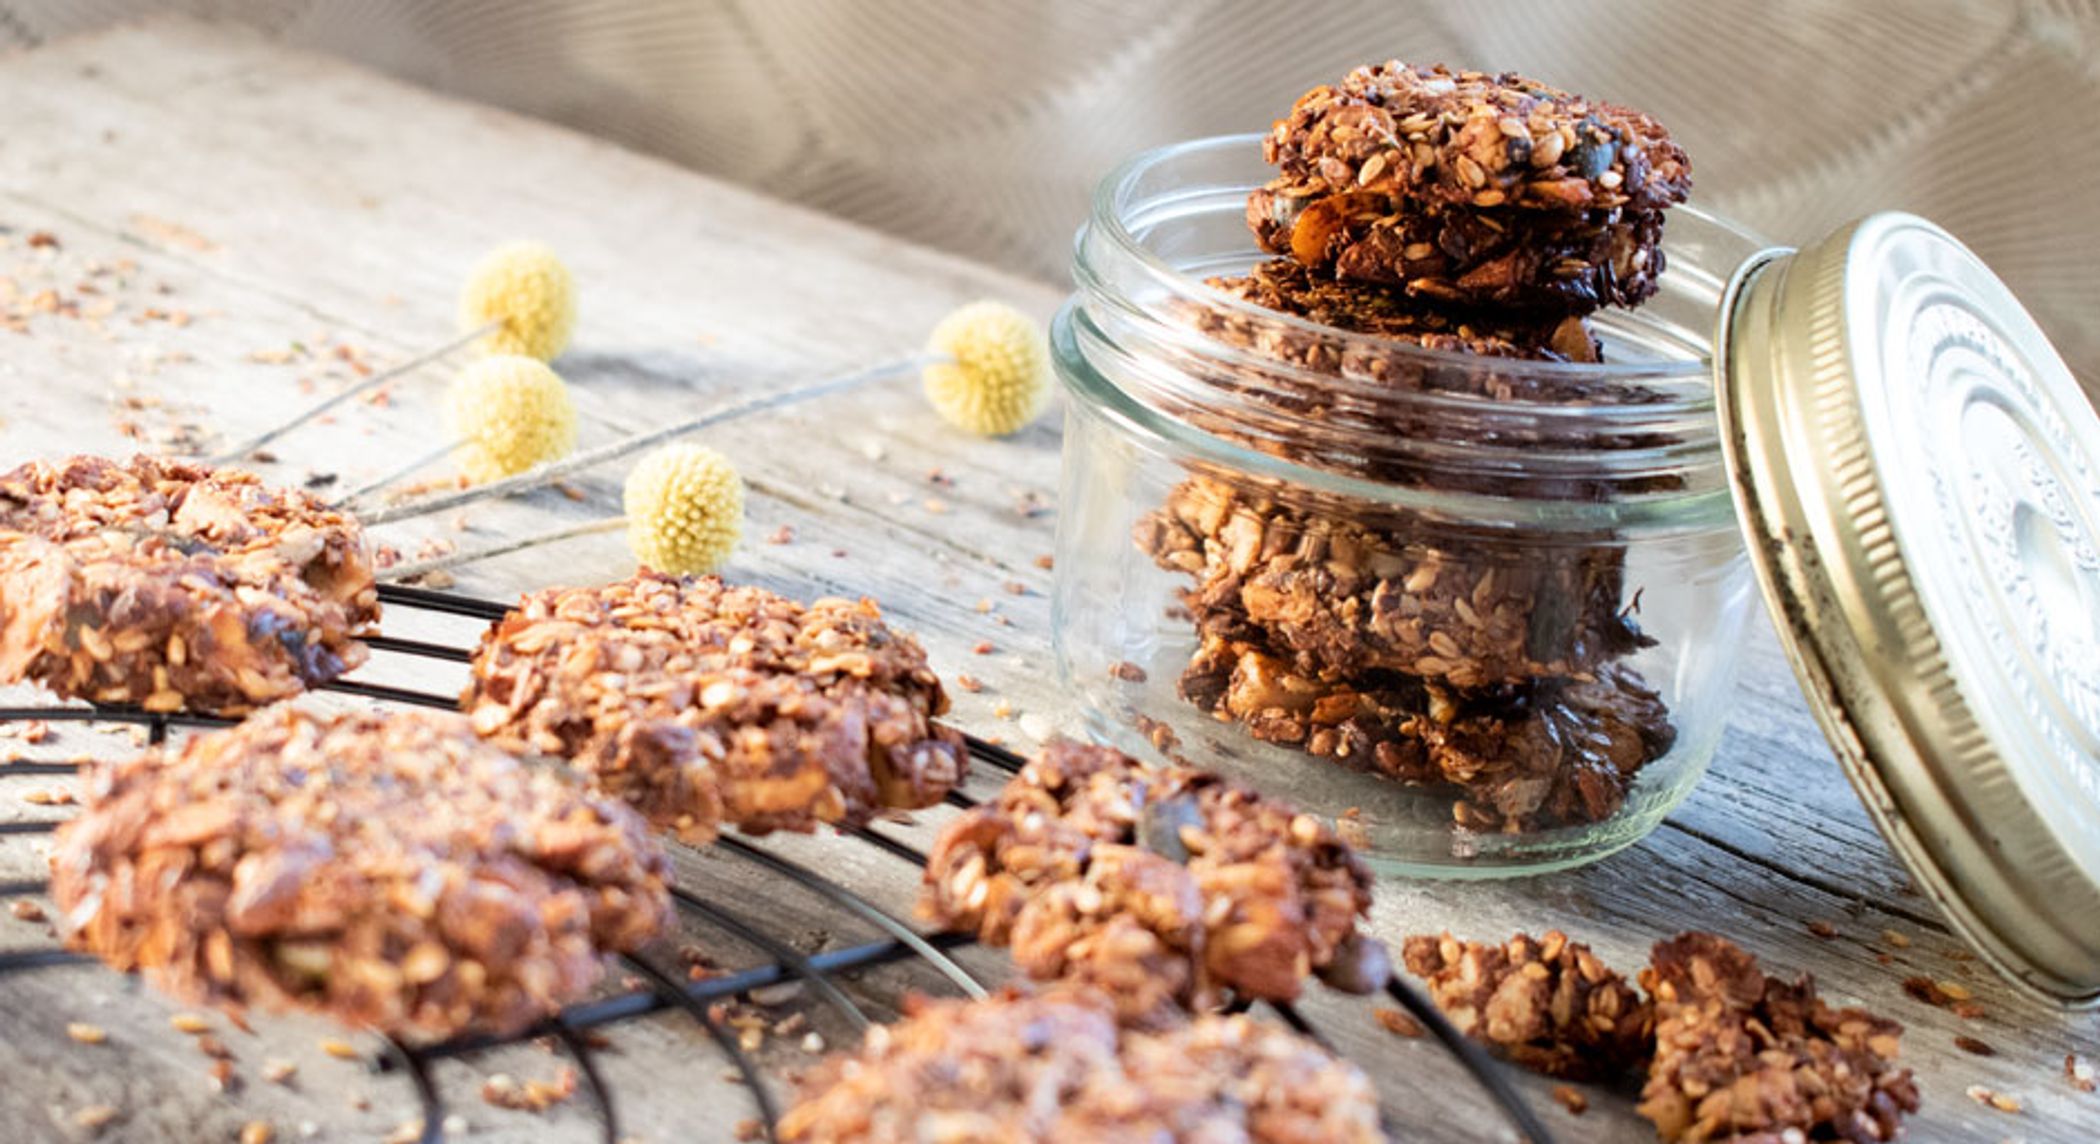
173 585
699 702
391 870
1055 1067
1471 188
1165 887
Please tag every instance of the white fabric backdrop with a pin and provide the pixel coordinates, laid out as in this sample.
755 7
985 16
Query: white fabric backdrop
978 125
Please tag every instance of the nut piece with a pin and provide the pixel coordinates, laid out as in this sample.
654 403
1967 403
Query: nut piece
1056 1068
1545 1003
697 702
1739 1055
1168 888
390 870
168 584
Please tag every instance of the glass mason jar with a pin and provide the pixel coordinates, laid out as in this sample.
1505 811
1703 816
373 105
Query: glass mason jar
1483 611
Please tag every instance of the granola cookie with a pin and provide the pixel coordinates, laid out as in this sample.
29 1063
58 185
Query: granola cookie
1743 1057
1055 1067
1470 188
389 870
173 585
1166 888
1520 758
1345 597
1526 261
1547 1004
1469 138
1289 287
699 703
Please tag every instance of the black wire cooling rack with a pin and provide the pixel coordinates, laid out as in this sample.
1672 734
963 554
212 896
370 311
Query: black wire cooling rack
660 989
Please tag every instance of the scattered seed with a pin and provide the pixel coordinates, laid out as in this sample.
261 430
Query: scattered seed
749 1129
86 1034
2003 1102
1572 1099
1823 929
982 647
1969 1044
1127 671
279 1072
2079 1073
95 1116
189 1023
26 910
813 1043
257 1132
1896 939
969 683
340 1050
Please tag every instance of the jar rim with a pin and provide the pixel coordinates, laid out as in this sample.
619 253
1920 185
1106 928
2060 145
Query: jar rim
1702 509
1658 412
1114 191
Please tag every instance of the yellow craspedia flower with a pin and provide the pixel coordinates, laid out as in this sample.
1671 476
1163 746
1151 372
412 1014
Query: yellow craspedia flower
685 509
1000 378
530 290
510 412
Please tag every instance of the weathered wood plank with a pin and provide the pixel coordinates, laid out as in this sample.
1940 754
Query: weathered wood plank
282 198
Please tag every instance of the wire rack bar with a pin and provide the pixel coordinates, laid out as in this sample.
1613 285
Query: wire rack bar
450 603
423 648
860 907
745 1066
889 845
23 768
427 1097
18 960
781 952
579 1047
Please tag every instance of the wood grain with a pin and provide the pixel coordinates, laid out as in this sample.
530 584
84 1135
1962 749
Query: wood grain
256 198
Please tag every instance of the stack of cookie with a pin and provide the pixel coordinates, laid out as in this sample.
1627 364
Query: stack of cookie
1437 231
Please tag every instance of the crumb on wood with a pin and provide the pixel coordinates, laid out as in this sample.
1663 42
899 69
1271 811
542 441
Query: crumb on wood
1398 1023
2079 1073
1991 1098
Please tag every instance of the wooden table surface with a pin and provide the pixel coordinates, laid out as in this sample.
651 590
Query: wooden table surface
233 227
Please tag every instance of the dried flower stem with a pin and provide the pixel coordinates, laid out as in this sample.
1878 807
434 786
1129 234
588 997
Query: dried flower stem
366 386
543 475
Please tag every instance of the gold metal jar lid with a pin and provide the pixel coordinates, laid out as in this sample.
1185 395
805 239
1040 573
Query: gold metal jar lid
1918 478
